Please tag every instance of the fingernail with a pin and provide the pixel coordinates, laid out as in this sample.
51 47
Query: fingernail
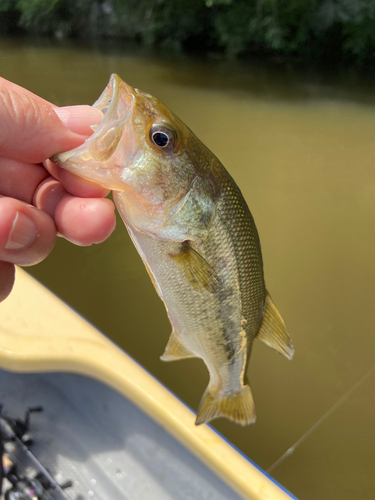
47 195
22 234
79 119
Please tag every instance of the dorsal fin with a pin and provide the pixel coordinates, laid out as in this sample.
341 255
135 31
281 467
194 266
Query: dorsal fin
175 349
273 331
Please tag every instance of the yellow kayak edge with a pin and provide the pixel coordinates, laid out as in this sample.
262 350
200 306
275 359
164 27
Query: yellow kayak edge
40 333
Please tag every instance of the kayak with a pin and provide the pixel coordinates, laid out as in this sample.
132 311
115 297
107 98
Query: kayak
99 426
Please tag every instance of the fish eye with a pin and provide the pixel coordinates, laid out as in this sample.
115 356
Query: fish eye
163 137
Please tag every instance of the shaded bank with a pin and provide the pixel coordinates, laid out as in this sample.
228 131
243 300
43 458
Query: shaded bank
312 30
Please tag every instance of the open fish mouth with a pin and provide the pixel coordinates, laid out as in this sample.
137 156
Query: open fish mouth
111 144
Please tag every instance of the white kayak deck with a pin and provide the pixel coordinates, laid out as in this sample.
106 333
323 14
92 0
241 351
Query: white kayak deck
141 446
110 449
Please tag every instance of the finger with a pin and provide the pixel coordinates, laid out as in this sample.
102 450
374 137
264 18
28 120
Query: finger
7 273
33 177
19 179
6 84
31 130
48 196
85 221
80 220
79 119
27 235
74 184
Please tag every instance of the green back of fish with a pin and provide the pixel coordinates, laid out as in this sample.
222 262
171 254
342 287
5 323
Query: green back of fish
233 217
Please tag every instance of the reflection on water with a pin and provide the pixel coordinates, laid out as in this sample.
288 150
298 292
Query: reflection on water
301 148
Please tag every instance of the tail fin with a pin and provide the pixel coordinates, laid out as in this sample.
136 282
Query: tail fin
238 407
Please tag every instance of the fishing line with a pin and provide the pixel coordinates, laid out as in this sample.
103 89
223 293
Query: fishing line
324 417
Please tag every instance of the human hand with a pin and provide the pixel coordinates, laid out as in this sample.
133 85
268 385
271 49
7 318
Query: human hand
39 200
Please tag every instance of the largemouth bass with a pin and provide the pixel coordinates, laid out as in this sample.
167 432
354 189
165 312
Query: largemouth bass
196 236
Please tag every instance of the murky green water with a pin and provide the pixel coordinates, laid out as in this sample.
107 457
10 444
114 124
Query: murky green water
301 147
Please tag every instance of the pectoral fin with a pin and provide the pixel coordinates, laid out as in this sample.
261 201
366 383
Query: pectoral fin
273 331
175 349
197 270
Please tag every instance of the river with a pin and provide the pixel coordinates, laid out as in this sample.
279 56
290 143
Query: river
300 144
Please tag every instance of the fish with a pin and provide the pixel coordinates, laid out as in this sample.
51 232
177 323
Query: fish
196 236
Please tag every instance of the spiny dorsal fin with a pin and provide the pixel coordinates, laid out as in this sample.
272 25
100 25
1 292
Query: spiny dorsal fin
237 407
273 331
175 349
197 270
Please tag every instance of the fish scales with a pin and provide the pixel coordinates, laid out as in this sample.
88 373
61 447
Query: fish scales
196 236
210 324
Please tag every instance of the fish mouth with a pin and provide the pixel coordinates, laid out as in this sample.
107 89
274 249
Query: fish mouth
104 153
111 103
108 99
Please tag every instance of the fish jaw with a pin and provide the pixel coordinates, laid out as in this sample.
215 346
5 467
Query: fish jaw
103 156
120 156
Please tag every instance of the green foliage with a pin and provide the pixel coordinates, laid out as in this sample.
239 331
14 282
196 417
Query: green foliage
339 29
249 25
37 14
359 28
6 5
168 23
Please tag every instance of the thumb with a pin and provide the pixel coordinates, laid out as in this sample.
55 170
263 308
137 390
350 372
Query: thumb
31 130
27 235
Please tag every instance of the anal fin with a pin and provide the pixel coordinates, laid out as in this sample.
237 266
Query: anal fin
273 330
175 350
196 269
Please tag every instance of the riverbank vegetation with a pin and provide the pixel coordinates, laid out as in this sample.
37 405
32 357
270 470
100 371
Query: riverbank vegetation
328 30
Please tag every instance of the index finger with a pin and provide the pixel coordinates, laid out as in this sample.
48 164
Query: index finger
6 84
76 186
33 130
